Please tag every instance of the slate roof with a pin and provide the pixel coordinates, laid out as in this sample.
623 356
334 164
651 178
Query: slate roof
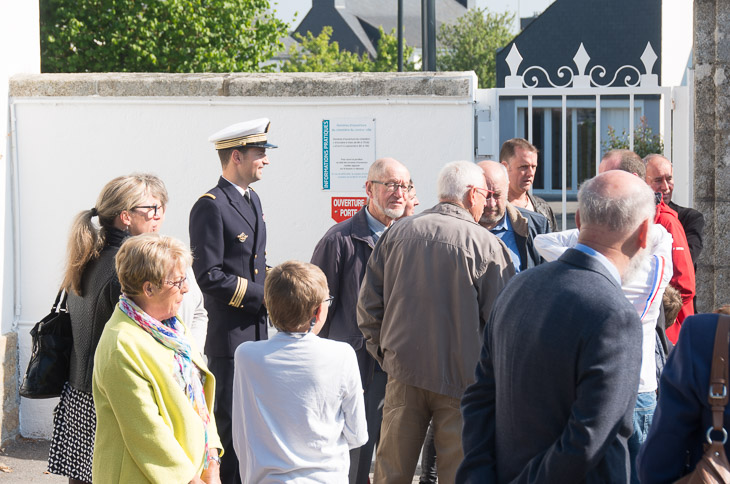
355 22
614 33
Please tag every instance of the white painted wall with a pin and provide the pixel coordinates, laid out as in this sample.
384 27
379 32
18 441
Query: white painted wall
677 25
68 148
20 53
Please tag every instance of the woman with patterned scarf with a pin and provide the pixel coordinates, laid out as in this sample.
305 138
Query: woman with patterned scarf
153 393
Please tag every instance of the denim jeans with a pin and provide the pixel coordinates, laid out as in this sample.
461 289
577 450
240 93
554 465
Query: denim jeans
643 415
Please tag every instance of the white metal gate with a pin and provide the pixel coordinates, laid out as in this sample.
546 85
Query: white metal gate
509 112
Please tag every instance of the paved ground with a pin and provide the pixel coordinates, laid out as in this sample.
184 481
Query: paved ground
24 460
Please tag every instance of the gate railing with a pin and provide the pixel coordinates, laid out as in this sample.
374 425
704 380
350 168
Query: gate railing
627 82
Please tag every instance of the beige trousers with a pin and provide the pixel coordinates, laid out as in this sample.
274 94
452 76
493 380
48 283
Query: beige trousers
406 415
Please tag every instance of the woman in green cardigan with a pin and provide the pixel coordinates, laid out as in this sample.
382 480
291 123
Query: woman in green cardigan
152 390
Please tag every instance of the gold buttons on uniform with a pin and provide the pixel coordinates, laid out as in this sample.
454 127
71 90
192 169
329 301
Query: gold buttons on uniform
255 271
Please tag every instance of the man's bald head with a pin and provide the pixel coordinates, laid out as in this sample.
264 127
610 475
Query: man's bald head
615 201
615 211
624 160
379 168
659 175
495 173
498 183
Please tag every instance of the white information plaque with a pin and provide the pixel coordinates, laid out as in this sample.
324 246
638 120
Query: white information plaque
348 150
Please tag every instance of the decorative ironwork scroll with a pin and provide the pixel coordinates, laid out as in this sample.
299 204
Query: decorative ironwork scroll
569 77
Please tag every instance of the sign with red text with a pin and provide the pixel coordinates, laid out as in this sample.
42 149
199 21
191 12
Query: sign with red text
345 207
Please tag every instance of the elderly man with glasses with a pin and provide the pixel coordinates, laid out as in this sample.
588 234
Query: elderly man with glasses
427 293
342 254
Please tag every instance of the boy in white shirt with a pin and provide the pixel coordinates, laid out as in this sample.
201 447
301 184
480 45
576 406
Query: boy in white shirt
297 399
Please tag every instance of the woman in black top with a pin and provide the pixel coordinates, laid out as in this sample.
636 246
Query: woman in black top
128 205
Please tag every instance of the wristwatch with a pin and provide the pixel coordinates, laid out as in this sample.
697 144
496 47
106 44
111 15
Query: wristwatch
213 456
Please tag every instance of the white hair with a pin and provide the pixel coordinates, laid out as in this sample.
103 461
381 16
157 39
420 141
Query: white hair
455 179
621 214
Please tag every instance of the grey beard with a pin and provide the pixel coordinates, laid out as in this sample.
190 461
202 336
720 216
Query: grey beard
635 264
392 213
490 220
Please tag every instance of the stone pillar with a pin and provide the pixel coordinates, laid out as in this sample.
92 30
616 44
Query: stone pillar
9 399
712 148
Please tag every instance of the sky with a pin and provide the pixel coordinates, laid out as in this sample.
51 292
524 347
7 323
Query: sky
286 8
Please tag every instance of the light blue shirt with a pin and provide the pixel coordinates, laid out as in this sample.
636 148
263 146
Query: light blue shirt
602 259
503 231
375 226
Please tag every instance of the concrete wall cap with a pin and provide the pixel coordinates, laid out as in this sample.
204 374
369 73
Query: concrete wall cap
299 84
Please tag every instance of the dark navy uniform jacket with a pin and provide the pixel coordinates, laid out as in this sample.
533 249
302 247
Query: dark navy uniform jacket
228 240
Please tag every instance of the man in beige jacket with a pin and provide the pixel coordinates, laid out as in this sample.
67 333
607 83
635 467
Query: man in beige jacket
427 292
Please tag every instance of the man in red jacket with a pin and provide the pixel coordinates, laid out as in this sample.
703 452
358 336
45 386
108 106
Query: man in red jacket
683 278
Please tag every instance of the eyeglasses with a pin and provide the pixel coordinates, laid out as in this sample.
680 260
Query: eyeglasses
489 194
394 186
149 208
329 301
179 283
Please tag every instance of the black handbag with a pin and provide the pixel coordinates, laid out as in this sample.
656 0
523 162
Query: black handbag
48 368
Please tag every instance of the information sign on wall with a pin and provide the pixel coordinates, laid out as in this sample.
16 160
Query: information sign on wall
345 207
348 150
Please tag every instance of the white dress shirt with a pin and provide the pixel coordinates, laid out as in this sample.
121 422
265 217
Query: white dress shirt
192 312
645 290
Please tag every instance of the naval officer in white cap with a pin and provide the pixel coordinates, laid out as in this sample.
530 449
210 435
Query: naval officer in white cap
228 239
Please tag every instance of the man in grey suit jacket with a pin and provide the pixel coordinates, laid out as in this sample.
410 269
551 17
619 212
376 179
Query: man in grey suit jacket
557 379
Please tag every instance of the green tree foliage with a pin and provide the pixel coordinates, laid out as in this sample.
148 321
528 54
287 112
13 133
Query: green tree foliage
471 43
321 54
645 141
387 54
158 35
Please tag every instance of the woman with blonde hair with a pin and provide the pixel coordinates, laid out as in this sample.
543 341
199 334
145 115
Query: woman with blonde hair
153 393
127 205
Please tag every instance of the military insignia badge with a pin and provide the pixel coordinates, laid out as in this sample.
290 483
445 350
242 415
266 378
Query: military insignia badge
242 237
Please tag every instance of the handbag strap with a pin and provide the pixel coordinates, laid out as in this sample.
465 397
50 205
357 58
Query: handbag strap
64 302
717 395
